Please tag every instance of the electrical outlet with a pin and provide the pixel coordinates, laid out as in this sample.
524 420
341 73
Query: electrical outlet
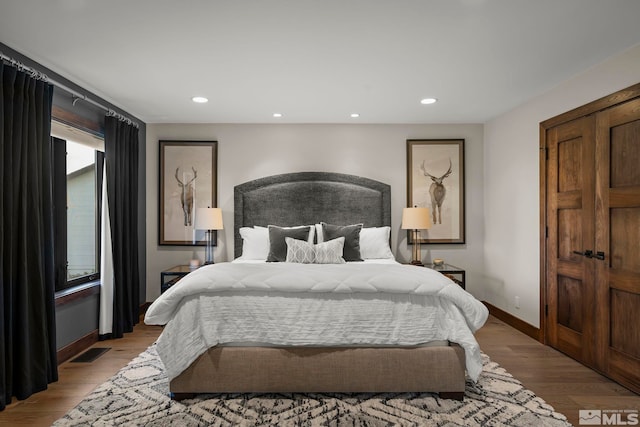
517 302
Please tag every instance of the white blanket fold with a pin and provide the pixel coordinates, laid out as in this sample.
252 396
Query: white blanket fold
307 304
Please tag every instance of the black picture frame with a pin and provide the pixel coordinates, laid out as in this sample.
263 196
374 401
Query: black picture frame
187 170
435 179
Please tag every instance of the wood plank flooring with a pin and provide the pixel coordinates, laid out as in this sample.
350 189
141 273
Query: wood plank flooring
76 380
562 382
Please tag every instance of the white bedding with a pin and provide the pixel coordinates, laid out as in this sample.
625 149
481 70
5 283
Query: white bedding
310 304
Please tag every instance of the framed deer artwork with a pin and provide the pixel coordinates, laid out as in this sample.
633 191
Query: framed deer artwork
435 180
188 180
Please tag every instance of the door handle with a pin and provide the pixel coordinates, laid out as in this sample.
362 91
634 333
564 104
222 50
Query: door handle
599 255
588 253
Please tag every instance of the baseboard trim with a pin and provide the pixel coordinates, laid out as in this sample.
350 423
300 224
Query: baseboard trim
514 322
83 343
76 347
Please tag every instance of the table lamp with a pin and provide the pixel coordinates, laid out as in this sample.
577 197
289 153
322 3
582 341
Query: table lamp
416 219
208 219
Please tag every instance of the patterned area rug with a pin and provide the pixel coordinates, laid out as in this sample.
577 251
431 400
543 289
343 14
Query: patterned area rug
138 395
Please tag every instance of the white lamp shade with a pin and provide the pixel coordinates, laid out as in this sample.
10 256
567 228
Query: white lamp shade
208 219
416 219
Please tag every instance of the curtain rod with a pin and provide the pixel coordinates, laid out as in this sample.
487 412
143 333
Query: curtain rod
74 94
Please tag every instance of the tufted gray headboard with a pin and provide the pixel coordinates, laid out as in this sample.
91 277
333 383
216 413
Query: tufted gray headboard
305 198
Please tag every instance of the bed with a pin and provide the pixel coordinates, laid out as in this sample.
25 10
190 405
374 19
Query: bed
313 324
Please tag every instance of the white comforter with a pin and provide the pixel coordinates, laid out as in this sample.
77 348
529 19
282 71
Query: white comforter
310 304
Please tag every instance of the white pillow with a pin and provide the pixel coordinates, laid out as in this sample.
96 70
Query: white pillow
255 242
330 252
374 243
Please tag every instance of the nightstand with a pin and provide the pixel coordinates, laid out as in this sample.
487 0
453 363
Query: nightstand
451 271
173 274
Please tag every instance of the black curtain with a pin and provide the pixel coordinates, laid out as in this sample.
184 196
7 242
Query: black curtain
121 156
27 281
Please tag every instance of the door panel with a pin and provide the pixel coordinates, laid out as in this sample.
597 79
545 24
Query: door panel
624 149
570 218
570 303
569 233
617 195
570 162
625 323
625 236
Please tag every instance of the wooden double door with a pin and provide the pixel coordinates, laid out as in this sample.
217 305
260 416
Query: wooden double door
592 240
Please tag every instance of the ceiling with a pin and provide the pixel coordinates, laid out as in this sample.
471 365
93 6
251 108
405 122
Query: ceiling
319 61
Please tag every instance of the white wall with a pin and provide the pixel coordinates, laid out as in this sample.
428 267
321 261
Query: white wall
511 178
247 152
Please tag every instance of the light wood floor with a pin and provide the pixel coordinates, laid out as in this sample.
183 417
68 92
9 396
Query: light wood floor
76 380
562 382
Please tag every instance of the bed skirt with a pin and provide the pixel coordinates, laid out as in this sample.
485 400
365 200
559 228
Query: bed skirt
439 369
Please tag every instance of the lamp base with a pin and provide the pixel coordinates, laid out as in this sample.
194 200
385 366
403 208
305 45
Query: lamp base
415 258
208 250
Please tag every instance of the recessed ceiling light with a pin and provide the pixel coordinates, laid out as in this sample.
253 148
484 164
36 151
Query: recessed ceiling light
277 115
427 101
355 115
199 99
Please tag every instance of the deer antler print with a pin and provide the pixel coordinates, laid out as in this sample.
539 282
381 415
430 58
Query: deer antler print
186 197
437 191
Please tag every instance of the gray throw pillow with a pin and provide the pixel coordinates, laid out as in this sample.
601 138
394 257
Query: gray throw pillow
277 244
351 234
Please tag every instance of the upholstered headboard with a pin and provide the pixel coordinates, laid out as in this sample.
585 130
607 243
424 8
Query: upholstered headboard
309 198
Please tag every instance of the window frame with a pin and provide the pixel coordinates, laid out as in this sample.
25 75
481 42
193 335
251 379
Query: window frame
59 167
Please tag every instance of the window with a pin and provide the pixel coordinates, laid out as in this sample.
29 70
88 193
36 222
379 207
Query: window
77 172
82 252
